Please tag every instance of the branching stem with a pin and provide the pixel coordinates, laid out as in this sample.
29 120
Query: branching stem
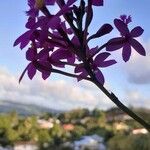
93 78
115 99
68 74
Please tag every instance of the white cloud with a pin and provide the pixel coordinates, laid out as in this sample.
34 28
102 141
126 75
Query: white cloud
137 99
57 94
60 94
138 68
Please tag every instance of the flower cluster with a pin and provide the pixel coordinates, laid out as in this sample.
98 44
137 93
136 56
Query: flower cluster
58 40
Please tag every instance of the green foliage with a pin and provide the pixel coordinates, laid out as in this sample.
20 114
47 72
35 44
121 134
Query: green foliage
43 136
12 136
78 132
97 113
73 115
46 115
14 128
130 142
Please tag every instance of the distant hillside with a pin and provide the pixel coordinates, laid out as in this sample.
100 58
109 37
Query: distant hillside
24 109
116 113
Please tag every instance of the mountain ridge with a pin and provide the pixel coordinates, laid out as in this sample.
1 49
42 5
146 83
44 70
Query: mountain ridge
7 106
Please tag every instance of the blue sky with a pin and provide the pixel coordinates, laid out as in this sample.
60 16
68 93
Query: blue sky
129 81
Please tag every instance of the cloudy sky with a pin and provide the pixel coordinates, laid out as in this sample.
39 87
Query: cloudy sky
129 81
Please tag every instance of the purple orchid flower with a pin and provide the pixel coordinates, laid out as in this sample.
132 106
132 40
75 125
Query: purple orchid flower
43 61
52 45
38 61
61 39
43 22
127 39
62 54
99 61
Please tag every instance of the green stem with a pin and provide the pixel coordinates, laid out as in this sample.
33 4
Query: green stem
93 79
114 99
68 74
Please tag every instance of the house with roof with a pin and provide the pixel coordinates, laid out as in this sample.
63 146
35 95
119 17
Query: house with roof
139 131
6 148
92 142
117 115
119 126
45 124
68 127
25 146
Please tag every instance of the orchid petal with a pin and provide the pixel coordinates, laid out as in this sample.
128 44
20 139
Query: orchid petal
31 71
126 53
137 31
92 51
45 68
79 68
50 2
54 22
30 54
115 44
99 76
24 39
100 58
138 47
107 63
105 29
121 26
82 76
61 54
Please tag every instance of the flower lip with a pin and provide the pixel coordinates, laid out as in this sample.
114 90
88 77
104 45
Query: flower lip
126 19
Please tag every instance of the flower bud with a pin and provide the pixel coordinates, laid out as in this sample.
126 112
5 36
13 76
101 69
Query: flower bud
39 4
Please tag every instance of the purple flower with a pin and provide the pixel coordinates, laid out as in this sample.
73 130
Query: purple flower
62 54
38 61
99 61
61 39
32 12
24 39
43 61
97 2
44 24
67 30
103 30
127 40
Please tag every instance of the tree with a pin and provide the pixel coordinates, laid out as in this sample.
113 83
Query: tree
130 142
54 46
78 132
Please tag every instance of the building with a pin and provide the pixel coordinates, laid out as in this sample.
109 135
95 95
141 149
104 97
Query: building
68 127
25 146
120 126
140 131
93 142
6 148
116 114
47 124
44 124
